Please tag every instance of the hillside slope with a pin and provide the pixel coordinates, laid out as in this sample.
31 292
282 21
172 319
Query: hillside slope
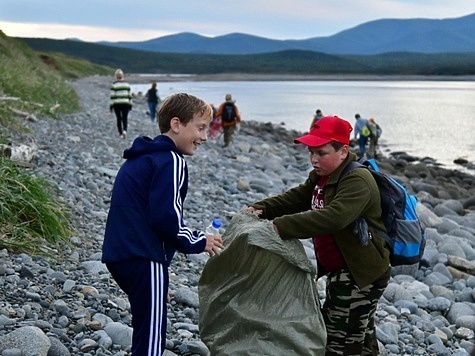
283 62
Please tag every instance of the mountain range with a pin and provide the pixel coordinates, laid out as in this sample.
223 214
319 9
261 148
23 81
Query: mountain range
451 35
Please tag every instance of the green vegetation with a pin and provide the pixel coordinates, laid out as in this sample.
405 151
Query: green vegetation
285 62
34 83
32 217
29 217
73 68
29 86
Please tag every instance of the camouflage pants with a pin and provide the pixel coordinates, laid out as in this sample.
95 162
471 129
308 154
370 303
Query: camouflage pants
349 314
228 132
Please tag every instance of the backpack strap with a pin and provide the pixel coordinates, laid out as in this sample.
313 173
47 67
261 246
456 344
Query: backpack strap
351 166
361 225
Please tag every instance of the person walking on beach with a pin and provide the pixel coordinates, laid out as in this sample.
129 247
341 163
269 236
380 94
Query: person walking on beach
230 117
145 225
120 102
376 132
215 126
152 99
318 115
362 133
327 206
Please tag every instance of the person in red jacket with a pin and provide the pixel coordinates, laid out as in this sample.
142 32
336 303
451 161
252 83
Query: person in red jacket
230 117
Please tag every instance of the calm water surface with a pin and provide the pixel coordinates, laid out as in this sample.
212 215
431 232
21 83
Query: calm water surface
423 118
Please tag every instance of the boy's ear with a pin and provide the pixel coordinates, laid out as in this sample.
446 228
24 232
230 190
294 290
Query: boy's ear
175 124
344 151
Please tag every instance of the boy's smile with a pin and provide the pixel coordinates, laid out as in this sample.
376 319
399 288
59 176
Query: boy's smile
193 134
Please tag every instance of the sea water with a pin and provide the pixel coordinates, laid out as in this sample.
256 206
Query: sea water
423 118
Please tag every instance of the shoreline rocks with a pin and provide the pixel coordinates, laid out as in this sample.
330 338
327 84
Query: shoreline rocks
73 302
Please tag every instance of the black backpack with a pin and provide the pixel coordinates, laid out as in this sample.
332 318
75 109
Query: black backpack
229 112
405 236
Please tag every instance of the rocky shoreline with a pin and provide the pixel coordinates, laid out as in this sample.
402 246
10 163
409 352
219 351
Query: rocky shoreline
71 306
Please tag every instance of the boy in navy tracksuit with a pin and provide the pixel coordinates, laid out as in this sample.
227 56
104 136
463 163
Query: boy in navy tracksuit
145 224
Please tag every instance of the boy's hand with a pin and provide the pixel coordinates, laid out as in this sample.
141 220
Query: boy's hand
253 210
214 245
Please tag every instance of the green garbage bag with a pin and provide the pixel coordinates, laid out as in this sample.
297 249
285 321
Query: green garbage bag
258 297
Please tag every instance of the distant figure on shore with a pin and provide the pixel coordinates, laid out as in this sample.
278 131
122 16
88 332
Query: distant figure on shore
152 99
318 115
376 132
120 102
215 126
229 118
362 133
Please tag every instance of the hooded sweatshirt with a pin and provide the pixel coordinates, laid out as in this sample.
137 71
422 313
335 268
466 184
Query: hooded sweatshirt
146 213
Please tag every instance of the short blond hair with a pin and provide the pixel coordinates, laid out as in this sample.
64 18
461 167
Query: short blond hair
119 74
184 106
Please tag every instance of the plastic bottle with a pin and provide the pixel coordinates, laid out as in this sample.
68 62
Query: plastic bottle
213 228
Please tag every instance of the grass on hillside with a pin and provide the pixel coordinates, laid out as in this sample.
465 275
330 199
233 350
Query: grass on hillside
32 218
74 68
29 213
33 84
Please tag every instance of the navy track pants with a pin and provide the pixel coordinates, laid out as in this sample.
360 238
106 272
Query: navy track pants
146 284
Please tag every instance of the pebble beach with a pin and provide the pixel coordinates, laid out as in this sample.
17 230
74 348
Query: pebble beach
70 305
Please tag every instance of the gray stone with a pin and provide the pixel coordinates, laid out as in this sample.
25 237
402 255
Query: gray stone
454 205
451 247
187 297
29 339
103 340
447 226
57 348
439 304
62 307
467 321
12 352
457 310
119 333
94 267
387 333
437 279
442 210
198 348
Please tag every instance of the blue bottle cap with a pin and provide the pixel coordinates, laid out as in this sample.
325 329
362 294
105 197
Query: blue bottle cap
216 223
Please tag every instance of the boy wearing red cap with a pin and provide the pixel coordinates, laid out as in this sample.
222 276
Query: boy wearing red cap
326 209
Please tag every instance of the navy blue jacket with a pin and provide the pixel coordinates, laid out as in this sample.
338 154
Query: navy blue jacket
146 214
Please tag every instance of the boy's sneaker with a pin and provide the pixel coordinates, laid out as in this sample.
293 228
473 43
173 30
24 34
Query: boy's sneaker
124 135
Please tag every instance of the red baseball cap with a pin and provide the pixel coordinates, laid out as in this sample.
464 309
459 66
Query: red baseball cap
325 130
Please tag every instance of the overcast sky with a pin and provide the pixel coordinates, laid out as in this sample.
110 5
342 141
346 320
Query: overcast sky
139 20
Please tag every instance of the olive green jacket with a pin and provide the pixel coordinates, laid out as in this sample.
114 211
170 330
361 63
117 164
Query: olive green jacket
356 195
